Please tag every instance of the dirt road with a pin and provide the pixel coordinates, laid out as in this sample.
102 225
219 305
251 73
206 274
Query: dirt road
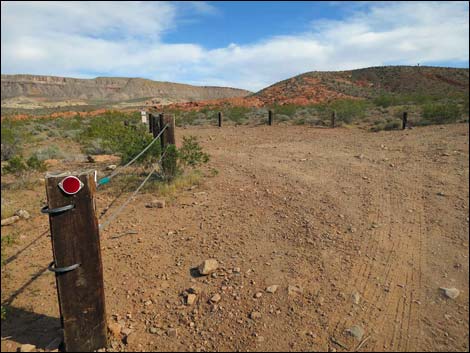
364 227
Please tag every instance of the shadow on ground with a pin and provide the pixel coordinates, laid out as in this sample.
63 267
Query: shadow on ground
26 327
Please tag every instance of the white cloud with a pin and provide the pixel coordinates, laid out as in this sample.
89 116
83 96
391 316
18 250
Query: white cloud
127 39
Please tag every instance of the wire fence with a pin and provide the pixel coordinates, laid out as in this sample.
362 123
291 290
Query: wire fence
121 208
106 180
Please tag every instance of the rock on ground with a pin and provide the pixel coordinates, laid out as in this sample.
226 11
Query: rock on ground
272 289
356 331
10 220
208 267
451 293
156 204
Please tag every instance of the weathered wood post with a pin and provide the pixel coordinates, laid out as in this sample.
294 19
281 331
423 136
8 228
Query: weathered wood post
161 118
151 118
155 127
170 131
404 120
169 162
77 259
219 115
333 119
270 117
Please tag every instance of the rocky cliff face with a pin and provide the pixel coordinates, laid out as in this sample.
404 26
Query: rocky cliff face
109 89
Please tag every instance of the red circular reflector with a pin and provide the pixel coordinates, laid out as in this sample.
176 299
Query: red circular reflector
70 185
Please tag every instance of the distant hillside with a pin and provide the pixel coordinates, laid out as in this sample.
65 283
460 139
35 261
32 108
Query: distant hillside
317 86
106 89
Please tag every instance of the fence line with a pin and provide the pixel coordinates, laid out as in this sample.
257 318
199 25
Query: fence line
107 179
121 208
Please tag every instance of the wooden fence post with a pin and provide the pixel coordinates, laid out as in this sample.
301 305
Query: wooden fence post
161 118
270 117
155 128
170 131
151 118
77 261
404 120
219 115
333 119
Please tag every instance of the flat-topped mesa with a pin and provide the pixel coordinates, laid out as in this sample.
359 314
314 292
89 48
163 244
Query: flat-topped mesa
110 89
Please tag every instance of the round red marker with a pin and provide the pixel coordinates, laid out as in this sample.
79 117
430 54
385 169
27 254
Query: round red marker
70 185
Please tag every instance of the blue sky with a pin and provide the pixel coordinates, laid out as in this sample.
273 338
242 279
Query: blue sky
241 44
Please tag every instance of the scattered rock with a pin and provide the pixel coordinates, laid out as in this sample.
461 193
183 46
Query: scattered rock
191 299
236 270
451 293
172 332
208 267
216 298
114 328
10 220
111 167
126 331
255 315
272 289
356 298
90 159
153 330
258 295
356 331
22 214
130 338
156 204
440 193
294 290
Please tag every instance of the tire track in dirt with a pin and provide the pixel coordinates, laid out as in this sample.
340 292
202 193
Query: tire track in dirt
389 287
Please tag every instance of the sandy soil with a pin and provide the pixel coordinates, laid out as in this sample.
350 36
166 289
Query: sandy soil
368 226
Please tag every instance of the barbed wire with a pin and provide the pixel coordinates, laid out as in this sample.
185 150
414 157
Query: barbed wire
121 208
107 179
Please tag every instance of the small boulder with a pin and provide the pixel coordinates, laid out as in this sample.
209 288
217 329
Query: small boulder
191 299
208 267
114 328
10 220
255 315
356 298
111 167
156 204
294 290
451 293
356 331
215 298
272 289
22 214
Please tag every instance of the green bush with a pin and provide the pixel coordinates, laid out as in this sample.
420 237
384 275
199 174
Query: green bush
10 140
349 109
236 114
35 163
108 134
190 153
286 109
392 125
16 165
441 113
49 152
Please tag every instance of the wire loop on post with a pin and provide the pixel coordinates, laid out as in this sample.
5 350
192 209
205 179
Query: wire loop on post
52 268
57 210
